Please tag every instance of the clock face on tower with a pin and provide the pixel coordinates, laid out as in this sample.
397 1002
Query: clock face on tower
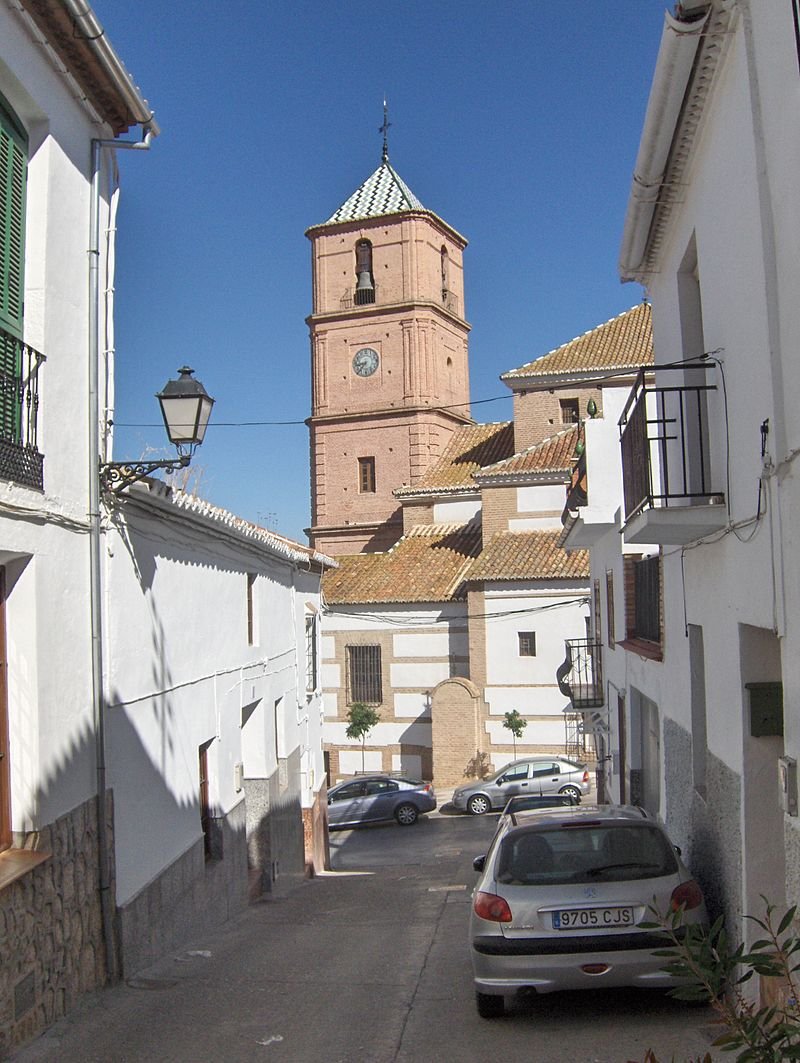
365 361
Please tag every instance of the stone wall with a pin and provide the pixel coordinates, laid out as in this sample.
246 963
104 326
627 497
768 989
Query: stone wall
708 831
275 827
51 936
189 897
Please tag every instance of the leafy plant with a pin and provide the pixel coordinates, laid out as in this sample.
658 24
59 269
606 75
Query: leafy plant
362 718
513 722
715 972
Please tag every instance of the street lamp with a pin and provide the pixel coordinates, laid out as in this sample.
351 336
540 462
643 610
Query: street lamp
186 408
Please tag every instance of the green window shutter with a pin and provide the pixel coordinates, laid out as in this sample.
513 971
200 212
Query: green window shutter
13 176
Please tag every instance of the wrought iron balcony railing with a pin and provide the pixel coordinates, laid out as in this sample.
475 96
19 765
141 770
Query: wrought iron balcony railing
20 460
374 296
665 439
580 677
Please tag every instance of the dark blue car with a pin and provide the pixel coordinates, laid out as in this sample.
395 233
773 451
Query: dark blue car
379 799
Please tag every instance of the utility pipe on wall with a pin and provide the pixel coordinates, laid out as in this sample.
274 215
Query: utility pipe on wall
95 538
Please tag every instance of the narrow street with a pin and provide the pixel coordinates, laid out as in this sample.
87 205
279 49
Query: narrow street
367 964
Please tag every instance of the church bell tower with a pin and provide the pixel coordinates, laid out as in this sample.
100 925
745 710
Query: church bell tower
389 359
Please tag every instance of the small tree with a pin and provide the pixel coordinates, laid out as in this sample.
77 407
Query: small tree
361 719
516 725
714 971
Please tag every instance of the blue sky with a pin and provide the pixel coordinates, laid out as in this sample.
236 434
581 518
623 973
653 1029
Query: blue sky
518 123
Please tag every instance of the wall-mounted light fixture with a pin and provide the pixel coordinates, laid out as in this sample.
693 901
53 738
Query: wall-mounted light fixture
186 408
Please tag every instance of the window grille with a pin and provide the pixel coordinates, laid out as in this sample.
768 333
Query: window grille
364 675
570 411
311 652
251 582
527 643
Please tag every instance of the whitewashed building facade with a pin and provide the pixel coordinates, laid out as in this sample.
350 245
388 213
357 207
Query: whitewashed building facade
213 718
61 87
701 704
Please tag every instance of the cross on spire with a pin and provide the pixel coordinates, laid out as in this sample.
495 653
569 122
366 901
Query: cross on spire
385 130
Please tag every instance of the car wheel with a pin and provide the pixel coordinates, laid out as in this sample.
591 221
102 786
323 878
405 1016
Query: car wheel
479 805
571 791
490 1007
406 815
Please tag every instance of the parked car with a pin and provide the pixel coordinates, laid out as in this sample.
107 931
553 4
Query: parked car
379 799
533 775
526 802
560 898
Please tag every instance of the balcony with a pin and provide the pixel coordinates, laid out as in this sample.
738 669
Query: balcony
580 677
670 492
20 460
374 297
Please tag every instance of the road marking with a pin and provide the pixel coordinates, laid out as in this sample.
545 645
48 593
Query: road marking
445 889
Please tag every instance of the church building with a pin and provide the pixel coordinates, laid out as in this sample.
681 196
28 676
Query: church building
452 599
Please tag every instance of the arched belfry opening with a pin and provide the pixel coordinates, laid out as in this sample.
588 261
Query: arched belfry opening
365 282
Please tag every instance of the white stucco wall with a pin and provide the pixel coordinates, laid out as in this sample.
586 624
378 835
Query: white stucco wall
180 678
43 536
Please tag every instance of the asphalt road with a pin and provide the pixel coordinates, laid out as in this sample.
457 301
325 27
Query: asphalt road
367 964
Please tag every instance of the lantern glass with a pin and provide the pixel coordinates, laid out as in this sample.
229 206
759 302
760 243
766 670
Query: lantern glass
186 408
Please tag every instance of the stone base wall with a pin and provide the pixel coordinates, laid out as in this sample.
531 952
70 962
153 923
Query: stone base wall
191 896
51 934
275 832
708 830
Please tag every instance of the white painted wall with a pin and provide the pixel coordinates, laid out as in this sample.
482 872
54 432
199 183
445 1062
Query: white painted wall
43 536
456 512
539 498
179 678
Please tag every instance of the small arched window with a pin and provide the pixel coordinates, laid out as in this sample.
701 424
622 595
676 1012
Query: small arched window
365 283
445 263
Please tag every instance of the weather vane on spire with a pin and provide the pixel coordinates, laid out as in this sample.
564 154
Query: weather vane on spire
385 130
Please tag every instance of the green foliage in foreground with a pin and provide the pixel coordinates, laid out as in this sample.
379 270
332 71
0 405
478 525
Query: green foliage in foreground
715 973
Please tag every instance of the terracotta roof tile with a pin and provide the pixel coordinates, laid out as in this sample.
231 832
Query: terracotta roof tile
626 341
527 555
426 565
553 455
470 448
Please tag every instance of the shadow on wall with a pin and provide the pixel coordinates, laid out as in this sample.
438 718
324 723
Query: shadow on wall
478 767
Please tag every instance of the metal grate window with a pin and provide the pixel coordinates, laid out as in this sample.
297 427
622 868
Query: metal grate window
311 652
364 675
527 643
570 411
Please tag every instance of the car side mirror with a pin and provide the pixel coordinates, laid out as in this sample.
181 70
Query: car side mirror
479 863
501 780
678 850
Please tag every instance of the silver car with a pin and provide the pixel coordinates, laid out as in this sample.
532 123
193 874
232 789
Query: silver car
560 898
379 799
533 775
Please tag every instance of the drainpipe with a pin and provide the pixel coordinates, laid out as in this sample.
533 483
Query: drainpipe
95 540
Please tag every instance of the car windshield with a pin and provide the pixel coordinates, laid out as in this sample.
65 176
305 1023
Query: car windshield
598 852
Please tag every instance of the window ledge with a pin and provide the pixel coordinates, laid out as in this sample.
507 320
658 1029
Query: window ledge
651 650
14 863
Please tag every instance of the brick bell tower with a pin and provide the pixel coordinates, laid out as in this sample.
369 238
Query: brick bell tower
389 359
